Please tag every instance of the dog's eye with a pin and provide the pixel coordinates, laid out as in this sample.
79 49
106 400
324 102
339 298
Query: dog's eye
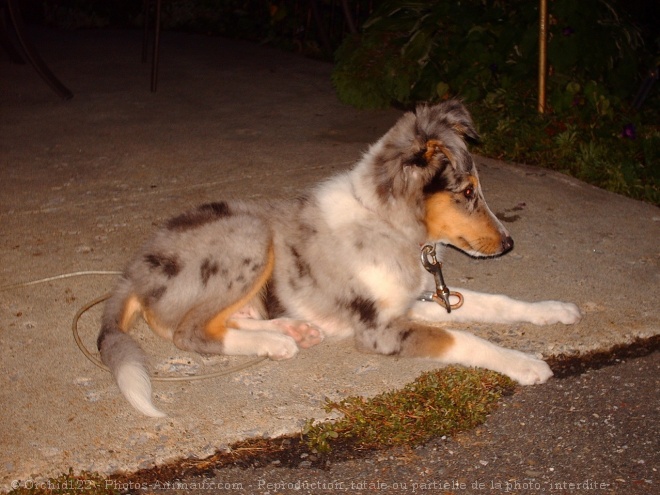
469 192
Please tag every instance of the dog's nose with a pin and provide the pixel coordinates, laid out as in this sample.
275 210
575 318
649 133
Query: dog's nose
507 244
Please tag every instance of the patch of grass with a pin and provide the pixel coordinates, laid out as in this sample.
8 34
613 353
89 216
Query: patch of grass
441 402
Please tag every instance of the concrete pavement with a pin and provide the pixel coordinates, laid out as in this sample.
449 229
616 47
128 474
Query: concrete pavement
85 181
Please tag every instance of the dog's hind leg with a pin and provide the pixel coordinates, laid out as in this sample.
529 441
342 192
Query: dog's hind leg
415 339
234 342
304 333
206 329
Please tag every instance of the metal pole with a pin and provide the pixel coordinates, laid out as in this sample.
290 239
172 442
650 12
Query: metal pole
543 40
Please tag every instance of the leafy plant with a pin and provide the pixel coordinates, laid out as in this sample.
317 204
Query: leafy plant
485 51
473 47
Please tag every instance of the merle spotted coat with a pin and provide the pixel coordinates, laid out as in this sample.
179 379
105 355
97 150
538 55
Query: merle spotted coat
341 260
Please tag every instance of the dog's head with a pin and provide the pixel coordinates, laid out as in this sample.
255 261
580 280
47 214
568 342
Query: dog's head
424 158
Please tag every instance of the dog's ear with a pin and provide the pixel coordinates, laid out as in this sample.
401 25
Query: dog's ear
460 119
467 131
433 150
451 113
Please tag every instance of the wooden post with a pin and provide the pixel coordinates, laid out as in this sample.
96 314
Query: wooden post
543 63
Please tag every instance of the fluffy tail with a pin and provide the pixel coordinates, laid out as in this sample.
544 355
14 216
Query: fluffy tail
127 362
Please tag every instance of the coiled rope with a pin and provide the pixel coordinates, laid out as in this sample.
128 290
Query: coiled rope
95 360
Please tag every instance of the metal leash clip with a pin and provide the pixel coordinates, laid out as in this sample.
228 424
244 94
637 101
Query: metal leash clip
442 292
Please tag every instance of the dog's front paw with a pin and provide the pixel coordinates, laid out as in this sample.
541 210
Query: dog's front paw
279 347
528 370
550 312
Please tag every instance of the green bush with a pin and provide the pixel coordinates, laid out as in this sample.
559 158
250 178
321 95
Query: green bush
475 46
486 52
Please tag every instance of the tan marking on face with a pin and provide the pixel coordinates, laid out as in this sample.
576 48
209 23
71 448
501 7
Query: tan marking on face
448 221
427 342
216 327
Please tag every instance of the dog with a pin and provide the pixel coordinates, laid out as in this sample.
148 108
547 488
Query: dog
343 260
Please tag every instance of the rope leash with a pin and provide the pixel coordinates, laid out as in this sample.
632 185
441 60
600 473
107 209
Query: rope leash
95 360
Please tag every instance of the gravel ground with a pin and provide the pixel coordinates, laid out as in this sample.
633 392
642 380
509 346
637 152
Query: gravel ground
593 433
